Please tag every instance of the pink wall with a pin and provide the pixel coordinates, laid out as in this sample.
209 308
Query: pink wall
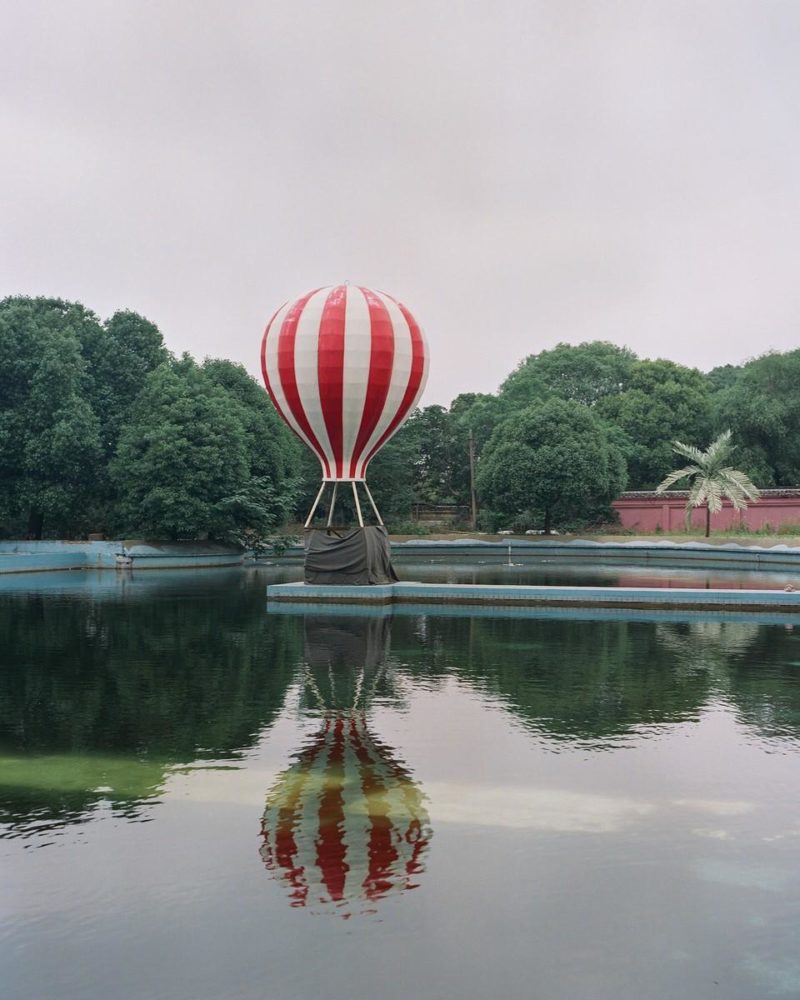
647 512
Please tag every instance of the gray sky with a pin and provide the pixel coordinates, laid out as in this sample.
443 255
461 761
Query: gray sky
518 173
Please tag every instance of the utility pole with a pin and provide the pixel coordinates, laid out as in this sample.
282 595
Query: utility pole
473 498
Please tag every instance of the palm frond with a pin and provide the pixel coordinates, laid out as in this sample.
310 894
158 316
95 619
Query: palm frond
697 494
688 451
738 481
714 494
719 450
673 477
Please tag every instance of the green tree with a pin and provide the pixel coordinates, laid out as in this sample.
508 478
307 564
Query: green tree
585 373
663 401
67 431
712 479
723 377
441 456
474 416
762 408
391 476
181 458
478 412
274 481
119 355
555 457
50 442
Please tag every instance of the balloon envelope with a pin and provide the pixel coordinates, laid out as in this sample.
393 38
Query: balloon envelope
344 367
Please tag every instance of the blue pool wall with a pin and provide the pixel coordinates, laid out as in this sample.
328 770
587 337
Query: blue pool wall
687 554
50 556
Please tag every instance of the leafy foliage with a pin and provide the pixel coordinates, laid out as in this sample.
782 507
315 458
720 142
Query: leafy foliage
555 457
663 401
761 405
50 436
585 373
101 429
189 462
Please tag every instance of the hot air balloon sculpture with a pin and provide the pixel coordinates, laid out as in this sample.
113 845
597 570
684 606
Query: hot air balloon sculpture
344 367
345 825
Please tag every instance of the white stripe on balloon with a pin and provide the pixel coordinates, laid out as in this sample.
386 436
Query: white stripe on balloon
307 373
357 350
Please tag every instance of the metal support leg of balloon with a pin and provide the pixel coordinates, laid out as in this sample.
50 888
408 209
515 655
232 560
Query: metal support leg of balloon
358 505
380 519
314 508
333 504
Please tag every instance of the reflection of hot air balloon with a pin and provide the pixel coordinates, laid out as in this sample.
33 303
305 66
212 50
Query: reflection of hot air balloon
345 825
344 367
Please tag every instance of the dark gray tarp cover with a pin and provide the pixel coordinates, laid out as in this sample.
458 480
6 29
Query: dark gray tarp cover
355 557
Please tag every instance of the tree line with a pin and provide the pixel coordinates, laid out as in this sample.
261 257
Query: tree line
574 426
102 429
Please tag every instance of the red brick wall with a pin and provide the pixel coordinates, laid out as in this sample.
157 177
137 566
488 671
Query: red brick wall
648 512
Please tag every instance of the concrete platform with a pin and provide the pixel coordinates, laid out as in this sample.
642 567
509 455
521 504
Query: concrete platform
522 597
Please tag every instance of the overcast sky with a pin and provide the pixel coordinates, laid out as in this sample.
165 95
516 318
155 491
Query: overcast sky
518 173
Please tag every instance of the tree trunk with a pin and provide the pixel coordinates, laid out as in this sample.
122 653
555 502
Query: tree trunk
548 522
708 520
35 523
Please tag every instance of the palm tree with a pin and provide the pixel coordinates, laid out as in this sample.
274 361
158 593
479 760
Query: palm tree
712 479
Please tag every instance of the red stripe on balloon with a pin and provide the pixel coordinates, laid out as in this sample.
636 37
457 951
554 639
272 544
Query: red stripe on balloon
264 372
330 369
288 378
381 362
412 387
285 853
380 849
331 849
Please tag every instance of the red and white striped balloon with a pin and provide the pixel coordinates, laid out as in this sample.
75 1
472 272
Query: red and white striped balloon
344 367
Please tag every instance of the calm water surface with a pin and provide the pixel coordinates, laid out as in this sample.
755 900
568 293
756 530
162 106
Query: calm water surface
554 572
199 799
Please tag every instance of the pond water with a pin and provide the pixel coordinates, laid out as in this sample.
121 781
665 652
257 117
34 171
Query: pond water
200 799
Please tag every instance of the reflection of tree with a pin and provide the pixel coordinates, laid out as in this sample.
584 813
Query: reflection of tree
570 679
345 825
707 645
107 694
765 685
579 680
754 667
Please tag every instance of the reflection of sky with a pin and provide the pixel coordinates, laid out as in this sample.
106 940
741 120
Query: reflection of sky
668 858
